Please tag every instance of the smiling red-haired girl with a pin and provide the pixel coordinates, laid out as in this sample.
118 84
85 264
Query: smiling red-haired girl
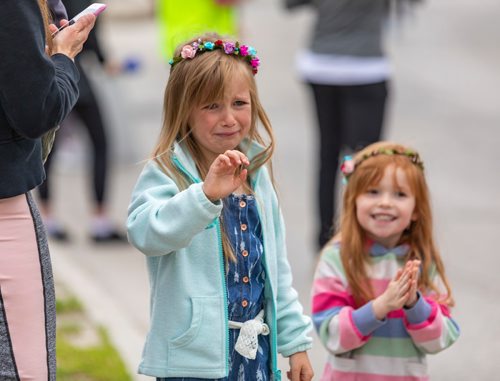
381 299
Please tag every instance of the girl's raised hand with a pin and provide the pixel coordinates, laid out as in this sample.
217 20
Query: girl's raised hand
395 296
225 175
413 270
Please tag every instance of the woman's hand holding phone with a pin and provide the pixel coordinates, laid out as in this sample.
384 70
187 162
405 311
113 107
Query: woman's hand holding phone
69 38
69 41
94 9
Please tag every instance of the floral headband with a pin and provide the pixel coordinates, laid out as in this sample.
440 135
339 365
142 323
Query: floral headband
349 164
244 51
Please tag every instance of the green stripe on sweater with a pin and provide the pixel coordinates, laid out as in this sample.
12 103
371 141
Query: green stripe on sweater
389 347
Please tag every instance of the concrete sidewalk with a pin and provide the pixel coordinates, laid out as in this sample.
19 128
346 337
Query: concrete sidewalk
445 104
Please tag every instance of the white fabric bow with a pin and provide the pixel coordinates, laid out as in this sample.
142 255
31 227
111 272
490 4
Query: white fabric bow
248 340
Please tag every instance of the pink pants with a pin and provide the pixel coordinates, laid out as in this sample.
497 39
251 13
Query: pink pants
27 302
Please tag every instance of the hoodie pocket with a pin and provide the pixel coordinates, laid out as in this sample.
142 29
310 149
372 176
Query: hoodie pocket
201 346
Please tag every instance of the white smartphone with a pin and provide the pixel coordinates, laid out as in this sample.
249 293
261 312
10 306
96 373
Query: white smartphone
95 8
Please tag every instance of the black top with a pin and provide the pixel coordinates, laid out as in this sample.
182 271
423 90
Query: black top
36 93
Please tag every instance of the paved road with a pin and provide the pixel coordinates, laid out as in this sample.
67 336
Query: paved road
445 104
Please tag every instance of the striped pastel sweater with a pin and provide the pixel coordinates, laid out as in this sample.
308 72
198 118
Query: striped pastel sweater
362 348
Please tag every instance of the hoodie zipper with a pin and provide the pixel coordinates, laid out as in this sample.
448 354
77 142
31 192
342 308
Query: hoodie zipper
274 341
222 264
224 287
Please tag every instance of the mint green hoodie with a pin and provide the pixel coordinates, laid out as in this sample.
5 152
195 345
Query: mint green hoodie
180 233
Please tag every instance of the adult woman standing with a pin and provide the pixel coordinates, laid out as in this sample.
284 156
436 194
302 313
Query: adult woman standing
36 93
348 72
89 112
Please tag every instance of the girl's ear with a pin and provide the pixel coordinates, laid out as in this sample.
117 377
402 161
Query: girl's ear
414 215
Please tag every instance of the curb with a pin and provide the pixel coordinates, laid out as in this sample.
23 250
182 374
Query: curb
102 310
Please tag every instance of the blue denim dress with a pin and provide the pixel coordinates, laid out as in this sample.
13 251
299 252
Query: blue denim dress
245 280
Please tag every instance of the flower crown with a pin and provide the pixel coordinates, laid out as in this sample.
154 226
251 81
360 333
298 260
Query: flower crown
349 164
246 52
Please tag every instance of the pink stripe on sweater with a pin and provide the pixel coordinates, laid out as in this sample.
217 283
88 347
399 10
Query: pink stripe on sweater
330 374
444 309
325 301
398 314
22 289
379 285
350 336
329 284
430 329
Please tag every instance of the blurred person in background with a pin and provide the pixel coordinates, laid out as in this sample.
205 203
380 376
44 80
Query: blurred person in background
87 110
348 72
38 88
179 20
57 10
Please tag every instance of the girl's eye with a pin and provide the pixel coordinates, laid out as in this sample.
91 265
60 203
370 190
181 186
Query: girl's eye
401 194
211 106
240 103
372 191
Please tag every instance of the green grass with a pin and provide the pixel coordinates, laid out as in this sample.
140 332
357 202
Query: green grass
80 358
70 304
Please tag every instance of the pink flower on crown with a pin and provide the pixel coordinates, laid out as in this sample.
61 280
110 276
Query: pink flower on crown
244 50
255 62
229 47
347 166
188 51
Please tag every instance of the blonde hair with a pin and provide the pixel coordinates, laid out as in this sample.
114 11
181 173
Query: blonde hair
197 81
369 170
47 19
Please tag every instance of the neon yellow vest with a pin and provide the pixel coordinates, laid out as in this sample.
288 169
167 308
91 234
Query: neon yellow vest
181 20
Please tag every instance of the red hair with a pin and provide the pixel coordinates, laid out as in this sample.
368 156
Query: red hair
369 170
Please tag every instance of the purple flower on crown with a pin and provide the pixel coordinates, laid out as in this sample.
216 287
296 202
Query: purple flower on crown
229 47
188 51
243 50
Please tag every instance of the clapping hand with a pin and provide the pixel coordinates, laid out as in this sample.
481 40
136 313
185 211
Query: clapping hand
413 270
401 291
225 175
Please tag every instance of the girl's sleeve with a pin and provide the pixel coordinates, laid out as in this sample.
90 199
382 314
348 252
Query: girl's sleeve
162 219
430 324
340 326
293 325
